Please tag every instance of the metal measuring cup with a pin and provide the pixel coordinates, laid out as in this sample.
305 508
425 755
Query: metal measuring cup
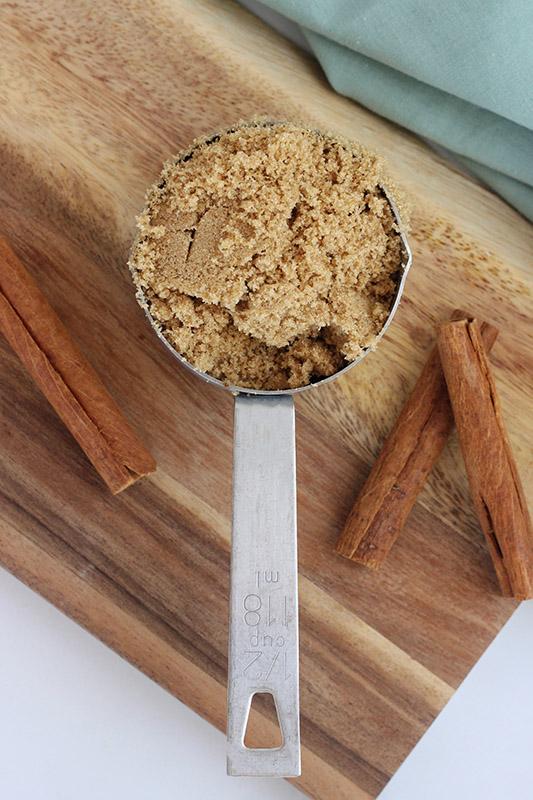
263 628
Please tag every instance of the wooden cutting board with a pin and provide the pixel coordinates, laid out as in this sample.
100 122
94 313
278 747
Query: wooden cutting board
95 95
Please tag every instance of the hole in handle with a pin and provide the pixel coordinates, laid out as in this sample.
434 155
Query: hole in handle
261 732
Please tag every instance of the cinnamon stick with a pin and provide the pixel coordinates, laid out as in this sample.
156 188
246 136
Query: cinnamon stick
68 381
401 469
492 474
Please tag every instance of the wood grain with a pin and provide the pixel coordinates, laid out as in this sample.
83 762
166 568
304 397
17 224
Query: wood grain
94 97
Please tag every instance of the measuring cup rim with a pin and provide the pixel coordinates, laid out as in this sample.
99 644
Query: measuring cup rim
234 389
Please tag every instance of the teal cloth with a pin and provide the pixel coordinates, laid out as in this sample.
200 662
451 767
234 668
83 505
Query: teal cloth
457 72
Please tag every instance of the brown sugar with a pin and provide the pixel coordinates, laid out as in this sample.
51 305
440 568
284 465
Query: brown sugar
268 255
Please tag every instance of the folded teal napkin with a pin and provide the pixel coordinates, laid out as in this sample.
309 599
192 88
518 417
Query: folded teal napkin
457 72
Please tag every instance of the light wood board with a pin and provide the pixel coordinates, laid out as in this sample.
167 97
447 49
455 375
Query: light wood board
95 96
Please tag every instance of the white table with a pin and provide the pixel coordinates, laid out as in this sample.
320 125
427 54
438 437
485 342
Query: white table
79 723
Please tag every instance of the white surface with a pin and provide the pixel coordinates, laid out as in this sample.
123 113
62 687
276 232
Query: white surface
79 723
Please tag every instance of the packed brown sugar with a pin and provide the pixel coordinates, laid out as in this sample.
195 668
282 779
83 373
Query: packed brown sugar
268 255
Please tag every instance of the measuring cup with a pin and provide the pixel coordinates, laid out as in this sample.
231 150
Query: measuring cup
263 629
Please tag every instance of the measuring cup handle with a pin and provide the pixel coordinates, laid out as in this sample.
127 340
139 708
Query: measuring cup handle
263 639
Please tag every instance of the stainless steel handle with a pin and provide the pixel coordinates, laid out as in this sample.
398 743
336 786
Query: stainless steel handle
263 639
